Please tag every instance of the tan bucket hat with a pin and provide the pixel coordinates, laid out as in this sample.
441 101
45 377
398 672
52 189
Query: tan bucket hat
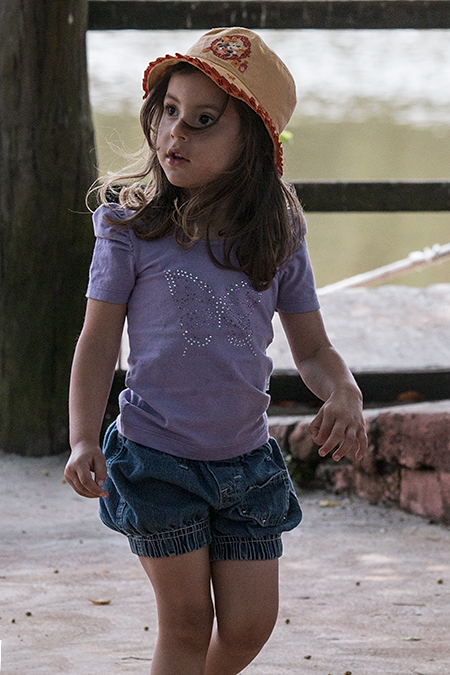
241 64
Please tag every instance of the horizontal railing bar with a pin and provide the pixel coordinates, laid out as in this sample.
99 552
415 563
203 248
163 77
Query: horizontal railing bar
374 197
275 14
377 387
388 196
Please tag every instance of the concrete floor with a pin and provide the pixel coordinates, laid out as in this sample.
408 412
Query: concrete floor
384 329
364 589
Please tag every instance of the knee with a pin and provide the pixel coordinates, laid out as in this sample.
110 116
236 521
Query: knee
249 637
189 624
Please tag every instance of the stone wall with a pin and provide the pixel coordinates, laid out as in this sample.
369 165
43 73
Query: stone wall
408 462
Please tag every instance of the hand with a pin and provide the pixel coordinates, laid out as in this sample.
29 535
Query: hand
85 460
339 426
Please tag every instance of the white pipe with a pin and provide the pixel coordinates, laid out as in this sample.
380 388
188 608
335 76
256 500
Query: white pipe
416 261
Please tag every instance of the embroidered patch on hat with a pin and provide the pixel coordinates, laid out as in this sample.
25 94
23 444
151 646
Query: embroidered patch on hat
234 48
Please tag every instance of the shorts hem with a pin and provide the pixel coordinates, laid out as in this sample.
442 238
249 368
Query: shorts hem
238 548
172 543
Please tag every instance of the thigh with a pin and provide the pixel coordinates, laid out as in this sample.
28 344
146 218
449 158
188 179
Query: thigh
154 499
182 587
249 527
246 597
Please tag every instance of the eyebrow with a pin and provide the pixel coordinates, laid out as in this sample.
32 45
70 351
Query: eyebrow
211 106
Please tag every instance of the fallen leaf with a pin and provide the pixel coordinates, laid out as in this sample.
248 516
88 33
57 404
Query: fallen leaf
134 658
411 639
327 503
100 602
411 396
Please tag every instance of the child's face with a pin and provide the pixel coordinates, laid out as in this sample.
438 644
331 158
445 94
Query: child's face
192 158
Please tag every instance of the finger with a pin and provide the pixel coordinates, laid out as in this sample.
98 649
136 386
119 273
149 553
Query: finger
89 484
355 442
100 471
72 478
77 486
314 426
363 444
348 445
70 482
83 483
323 427
333 440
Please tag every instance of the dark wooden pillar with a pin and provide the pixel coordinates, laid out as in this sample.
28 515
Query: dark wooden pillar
47 162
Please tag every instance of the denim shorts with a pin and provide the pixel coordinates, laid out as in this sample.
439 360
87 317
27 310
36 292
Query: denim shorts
167 505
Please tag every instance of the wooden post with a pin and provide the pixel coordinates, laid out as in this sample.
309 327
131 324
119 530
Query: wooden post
47 162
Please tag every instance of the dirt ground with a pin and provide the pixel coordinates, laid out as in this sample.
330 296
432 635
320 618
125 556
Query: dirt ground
364 589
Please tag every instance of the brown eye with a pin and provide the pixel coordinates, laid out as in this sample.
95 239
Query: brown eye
170 110
205 120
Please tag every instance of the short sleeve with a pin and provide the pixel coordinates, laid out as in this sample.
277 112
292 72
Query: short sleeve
112 273
296 287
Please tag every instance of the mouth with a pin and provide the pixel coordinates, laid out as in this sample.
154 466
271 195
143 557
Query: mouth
174 157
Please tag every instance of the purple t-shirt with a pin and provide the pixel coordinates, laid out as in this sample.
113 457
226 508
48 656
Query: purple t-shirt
198 371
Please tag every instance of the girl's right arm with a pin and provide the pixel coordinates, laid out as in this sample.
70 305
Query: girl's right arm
90 383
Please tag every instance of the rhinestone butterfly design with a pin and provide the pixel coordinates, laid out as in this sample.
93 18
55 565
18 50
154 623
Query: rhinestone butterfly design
203 314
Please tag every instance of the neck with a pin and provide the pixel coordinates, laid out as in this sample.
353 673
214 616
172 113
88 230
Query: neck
213 224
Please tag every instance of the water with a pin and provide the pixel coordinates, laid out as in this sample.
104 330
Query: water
373 105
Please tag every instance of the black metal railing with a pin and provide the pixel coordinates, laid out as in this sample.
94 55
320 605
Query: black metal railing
301 14
384 197
321 196
280 14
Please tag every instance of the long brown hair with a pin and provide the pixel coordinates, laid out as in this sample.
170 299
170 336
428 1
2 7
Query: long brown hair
263 219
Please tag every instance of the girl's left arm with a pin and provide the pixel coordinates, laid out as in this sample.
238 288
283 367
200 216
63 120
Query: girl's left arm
339 425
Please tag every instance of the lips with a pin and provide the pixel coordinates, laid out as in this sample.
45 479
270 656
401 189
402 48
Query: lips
175 157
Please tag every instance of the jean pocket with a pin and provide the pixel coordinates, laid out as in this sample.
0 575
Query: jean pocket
113 444
267 503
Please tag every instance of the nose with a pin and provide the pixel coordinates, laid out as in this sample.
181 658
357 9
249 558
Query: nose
178 129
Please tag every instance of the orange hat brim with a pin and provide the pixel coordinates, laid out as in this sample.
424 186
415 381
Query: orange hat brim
156 70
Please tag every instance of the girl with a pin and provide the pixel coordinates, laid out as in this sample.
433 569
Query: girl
198 259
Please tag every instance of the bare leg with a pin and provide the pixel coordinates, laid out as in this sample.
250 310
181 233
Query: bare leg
246 599
185 612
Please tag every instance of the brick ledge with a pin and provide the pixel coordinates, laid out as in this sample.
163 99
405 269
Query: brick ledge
408 462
